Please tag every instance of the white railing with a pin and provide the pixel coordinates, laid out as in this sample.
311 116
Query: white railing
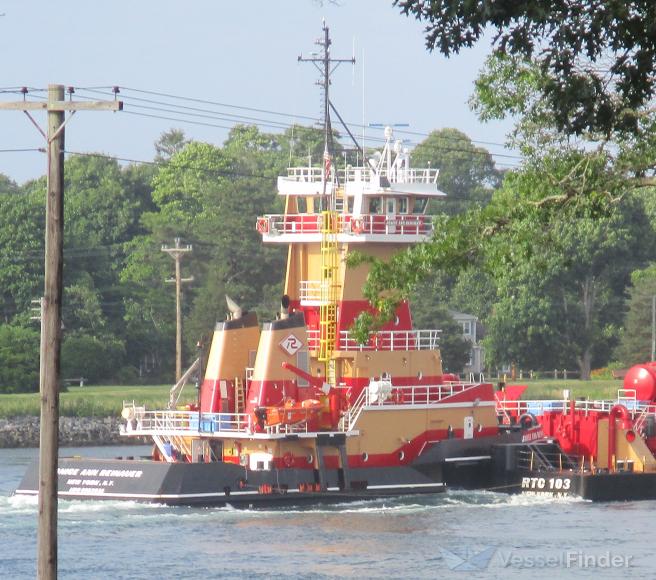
367 224
415 394
153 422
646 410
412 395
310 292
349 418
538 408
383 340
366 174
636 408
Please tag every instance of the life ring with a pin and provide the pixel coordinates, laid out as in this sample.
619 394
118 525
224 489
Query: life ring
527 420
288 459
356 226
263 225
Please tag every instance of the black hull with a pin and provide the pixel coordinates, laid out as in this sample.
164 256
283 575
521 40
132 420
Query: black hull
460 463
569 481
601 487
218 484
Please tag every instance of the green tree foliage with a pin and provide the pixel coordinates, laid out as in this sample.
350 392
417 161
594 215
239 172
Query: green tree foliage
93 358
597 59
635 345
19 359
170 143
433 314
467 173
209 197
559 240
22 218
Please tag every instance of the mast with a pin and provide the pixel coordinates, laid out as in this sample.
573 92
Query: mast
323 64
329 217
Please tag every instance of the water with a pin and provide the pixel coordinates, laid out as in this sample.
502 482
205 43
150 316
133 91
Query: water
453 535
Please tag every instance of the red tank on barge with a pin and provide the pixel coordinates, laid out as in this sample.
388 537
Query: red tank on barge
598 450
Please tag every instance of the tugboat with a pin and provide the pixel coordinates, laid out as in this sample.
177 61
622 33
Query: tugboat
296 410
596 450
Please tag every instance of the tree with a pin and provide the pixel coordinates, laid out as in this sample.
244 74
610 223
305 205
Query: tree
209 197
433 314
169 143
597 59
636 337
467 173
91 358
19 359
559 239
22 223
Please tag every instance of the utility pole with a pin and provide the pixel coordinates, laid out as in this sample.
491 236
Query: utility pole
56 106
177 253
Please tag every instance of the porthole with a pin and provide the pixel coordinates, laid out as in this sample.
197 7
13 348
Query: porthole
365 457
420 375
401 455
396 321
310 459
480 428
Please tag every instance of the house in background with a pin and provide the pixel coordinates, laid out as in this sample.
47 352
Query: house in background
472 330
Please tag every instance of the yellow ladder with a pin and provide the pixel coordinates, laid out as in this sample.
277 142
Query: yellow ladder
329 292
240 395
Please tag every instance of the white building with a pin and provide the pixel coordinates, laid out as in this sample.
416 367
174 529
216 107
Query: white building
472 330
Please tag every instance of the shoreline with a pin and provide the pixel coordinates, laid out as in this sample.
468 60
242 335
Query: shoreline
23 431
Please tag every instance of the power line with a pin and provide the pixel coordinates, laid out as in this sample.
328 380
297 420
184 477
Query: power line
213 172
210 114
270 123
292 115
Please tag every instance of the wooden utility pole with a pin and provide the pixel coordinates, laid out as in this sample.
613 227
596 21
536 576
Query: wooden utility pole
176 253
51 313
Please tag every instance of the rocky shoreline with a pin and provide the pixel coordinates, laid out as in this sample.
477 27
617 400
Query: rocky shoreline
73 432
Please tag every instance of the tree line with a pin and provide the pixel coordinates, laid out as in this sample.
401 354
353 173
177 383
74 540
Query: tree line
554 286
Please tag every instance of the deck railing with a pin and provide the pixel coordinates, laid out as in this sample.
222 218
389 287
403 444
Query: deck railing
366 174
151 423
383 340
537 408
368 224
143 421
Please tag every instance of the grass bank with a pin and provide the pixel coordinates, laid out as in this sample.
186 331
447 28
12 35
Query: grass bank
553 388
107 401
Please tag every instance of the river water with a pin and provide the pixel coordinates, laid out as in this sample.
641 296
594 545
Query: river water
454 535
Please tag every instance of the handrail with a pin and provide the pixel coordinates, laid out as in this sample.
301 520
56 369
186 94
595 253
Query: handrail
383 340
168 420
638 409
366 224
366 174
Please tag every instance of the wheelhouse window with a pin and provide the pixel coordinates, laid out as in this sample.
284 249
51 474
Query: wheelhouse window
375 205
349 203
403 205
318 204
301 205
419 205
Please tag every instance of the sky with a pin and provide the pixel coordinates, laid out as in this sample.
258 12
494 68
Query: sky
238 60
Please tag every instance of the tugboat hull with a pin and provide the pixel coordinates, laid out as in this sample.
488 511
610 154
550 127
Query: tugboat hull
219 483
